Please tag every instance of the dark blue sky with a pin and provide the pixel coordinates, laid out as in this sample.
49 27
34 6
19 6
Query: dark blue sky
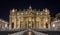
6 5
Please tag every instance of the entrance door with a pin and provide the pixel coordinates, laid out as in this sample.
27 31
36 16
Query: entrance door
30 25
46 25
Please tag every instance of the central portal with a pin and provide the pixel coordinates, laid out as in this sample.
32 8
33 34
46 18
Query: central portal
30 25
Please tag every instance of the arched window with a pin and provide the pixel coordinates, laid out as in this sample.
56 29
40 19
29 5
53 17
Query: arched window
12 25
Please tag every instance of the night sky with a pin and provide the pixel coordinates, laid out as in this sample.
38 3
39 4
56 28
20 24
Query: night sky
6 5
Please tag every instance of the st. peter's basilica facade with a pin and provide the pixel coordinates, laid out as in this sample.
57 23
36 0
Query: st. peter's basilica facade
29 19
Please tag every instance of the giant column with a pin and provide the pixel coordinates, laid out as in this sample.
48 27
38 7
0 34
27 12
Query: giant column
12 19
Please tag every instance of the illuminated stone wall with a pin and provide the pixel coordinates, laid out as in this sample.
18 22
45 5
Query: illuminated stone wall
29 19
3 25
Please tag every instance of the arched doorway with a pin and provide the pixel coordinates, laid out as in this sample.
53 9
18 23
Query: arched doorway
12 26
46 25
29 25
